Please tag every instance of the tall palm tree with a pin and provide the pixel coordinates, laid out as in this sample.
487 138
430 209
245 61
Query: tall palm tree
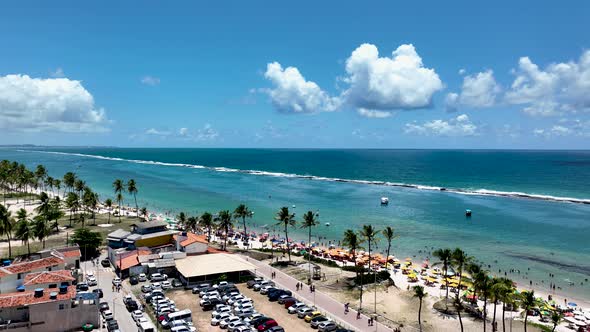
502 288
6 226
459 306
132 189
243 212
420 294
49 184
482 280
181 218
73 204
369 233
118 188
57 185
69 180
309 221
556 318
508 298
528 301
55 212
109 204
79 186
444 256
459 259
41 229
40 174
286 219
352 241
191 223
23 230
389 234
225 222
206 221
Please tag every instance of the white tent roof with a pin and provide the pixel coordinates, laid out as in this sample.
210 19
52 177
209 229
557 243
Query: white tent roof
202 265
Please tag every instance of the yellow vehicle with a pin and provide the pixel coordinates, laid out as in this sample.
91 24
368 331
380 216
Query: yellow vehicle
311 316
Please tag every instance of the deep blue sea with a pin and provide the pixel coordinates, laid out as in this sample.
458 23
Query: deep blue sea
530 208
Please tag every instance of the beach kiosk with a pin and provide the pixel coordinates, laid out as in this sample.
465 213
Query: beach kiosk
317 272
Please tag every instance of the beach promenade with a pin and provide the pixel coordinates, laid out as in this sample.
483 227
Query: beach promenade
323 302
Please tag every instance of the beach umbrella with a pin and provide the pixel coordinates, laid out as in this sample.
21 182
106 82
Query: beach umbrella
572 304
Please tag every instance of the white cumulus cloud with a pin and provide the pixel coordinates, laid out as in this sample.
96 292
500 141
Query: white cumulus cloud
292 93
374 114
52 104
478 91
458 126
150 80
386 83
559 88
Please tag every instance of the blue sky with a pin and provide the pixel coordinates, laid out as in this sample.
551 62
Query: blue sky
457 74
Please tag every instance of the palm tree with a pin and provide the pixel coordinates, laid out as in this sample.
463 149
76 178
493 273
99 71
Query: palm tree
73 204
225 222
144 212
556 318
286 219
243 212
132 189
55 212
57 185
459 259
482 280
206 221
69 180
181 218
49 184
369 233
41 229
528 301
459 306
508 298
502 290
352 241
109 204
308 222
444 256
40 174
118 187
23 230
420 294
389 235
191 223
79 185
6 225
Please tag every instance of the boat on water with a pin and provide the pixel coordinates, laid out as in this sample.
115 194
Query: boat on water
467 213
384 200
327 224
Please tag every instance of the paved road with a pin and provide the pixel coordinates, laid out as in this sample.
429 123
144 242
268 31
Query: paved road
324 302
115 300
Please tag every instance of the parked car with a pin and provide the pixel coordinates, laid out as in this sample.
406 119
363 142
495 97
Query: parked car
137 314
146 288
252 318
141 320
224 323
99 292
82 287
103 306
293 309
210 304
253 282
257 287
105 263
327 326
107 315
267 325
219 310
284 298
158 277
133 280
266 289
176 283
276 329
312 315
198 288
156 286
219 317
141 277
315 322
112 325
91 280
301 313
289 303
166 284
131 305
276 295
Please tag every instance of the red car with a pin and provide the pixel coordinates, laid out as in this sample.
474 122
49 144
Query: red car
289 303
267 325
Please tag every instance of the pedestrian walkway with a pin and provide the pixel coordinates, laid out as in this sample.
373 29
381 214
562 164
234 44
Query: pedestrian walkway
323 302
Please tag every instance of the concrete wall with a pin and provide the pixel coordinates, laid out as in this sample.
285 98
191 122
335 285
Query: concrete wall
196 248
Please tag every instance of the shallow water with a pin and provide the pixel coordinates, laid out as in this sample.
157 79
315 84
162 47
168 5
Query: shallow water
505 232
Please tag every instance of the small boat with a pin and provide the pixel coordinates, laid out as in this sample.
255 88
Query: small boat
467 213
384 200
327 224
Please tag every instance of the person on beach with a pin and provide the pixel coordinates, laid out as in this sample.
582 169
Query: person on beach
358 314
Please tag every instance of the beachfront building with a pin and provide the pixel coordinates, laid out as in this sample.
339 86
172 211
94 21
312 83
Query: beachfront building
145 234
13 276
47 279
195 269
191 243
48 310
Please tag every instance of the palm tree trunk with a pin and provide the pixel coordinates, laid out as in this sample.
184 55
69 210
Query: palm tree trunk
71 212
494 318
109 221
526 317
485 312
420 315
9 246
136 207
29 247
225 238
460 320
287 241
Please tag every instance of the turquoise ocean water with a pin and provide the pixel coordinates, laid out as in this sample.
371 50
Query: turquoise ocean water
530 208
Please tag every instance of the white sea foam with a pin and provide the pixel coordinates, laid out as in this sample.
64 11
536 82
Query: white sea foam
478 192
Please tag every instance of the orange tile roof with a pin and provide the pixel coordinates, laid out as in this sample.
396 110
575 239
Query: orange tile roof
18 299
70 252
46 277
33 265
131 259
193 238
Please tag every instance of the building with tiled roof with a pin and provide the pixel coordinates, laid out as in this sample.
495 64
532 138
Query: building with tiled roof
13 275
191 243
48 310
48 279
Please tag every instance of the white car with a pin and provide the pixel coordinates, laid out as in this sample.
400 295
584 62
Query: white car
293 309
140 320
137 314
166 284
142 277
253 317
158 277
157 286
221 283
224 323
247 306
230 295
91 280
219 317
231 326
116 281
244 328
220 310
242 301
327 326
107 315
